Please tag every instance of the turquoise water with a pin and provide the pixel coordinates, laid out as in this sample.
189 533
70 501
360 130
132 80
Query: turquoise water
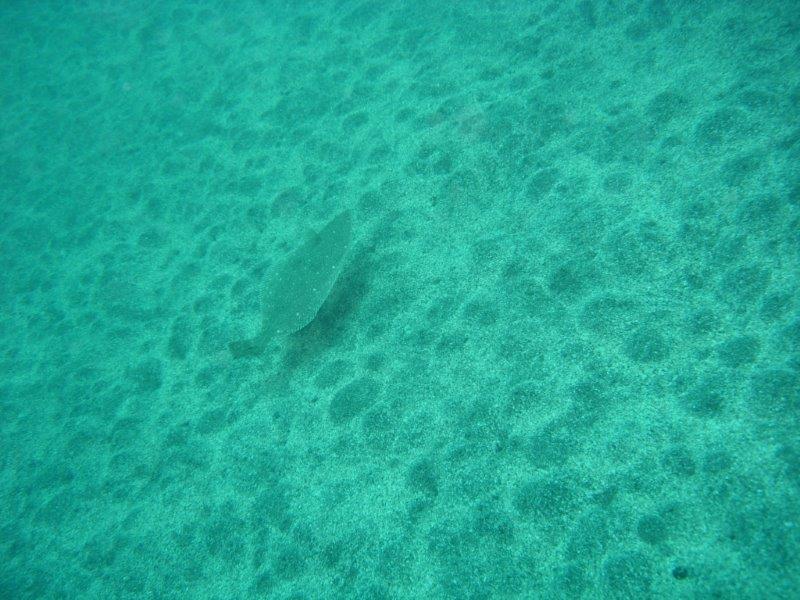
561 358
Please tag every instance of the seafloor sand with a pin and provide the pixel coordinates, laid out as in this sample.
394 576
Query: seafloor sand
562 358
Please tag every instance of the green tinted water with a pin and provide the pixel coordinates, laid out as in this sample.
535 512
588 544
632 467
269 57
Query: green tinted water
556 357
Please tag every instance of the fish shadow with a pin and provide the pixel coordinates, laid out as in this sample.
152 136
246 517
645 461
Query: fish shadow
337 318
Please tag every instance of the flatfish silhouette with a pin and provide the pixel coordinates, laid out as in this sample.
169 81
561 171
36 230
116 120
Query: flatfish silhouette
297 286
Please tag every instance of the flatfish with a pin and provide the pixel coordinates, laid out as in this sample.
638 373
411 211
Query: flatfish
298 285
